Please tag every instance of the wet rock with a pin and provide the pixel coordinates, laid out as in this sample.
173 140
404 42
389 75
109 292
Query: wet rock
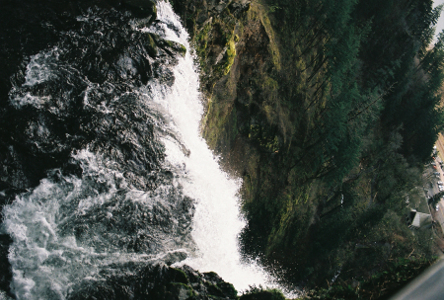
175 47
259 294
158 282
5 273
213 26
170 47
93 51
141 8
174 257
151 46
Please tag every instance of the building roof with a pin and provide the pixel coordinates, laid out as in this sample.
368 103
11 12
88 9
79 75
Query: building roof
421 219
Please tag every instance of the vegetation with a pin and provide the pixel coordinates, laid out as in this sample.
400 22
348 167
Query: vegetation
380 285
328 111
259 293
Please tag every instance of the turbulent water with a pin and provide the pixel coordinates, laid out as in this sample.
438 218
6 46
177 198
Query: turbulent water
138 185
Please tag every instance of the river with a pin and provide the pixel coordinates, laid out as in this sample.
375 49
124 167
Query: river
139 183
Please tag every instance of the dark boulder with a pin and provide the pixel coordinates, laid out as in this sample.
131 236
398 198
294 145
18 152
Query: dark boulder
158 282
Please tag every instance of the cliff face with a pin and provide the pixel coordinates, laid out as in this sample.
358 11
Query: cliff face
310 104
240 59
235 45
240 56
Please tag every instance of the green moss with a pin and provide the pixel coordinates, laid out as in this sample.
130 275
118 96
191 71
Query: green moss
260 12
151 46
180 275
213 124
176 47
228 288
224 66
182 290
180 284
262 294
201 40
230 55
220 120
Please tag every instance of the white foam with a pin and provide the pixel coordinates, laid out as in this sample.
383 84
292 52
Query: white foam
39 68
47 262
217 222
4 296
28 99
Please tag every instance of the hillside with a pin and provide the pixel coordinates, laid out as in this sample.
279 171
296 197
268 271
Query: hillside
328 111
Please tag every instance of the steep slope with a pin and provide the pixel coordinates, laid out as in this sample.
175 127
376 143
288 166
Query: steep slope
327 110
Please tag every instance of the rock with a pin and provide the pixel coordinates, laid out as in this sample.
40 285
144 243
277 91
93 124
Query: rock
151 47
258 294
141 8
5 267
158 282
174 257
177 47
170 47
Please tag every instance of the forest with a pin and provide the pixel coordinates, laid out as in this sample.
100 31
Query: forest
328 111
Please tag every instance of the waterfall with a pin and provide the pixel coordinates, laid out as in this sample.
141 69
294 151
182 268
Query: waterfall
148 190
217 222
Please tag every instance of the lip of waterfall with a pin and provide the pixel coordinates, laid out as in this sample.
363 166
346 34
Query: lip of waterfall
145 189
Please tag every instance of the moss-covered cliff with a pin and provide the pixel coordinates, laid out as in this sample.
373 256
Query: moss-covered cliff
327 110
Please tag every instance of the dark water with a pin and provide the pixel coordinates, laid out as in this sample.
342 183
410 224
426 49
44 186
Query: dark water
108 195
104 172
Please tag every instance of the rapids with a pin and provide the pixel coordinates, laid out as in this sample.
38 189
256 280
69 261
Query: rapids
135 182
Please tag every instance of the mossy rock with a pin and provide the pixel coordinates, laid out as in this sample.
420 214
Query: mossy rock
170 47
272 294
179 275
177 47
151 46
180 291
230 55
217 287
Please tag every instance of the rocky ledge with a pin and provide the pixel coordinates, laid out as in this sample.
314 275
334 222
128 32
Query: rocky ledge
162 282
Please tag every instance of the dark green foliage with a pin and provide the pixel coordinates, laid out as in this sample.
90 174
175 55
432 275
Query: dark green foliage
364 112
380 285
256 293
331 136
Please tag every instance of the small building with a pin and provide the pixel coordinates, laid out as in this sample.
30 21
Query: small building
419 219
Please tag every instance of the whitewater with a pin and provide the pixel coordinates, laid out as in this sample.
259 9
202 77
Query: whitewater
70 228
